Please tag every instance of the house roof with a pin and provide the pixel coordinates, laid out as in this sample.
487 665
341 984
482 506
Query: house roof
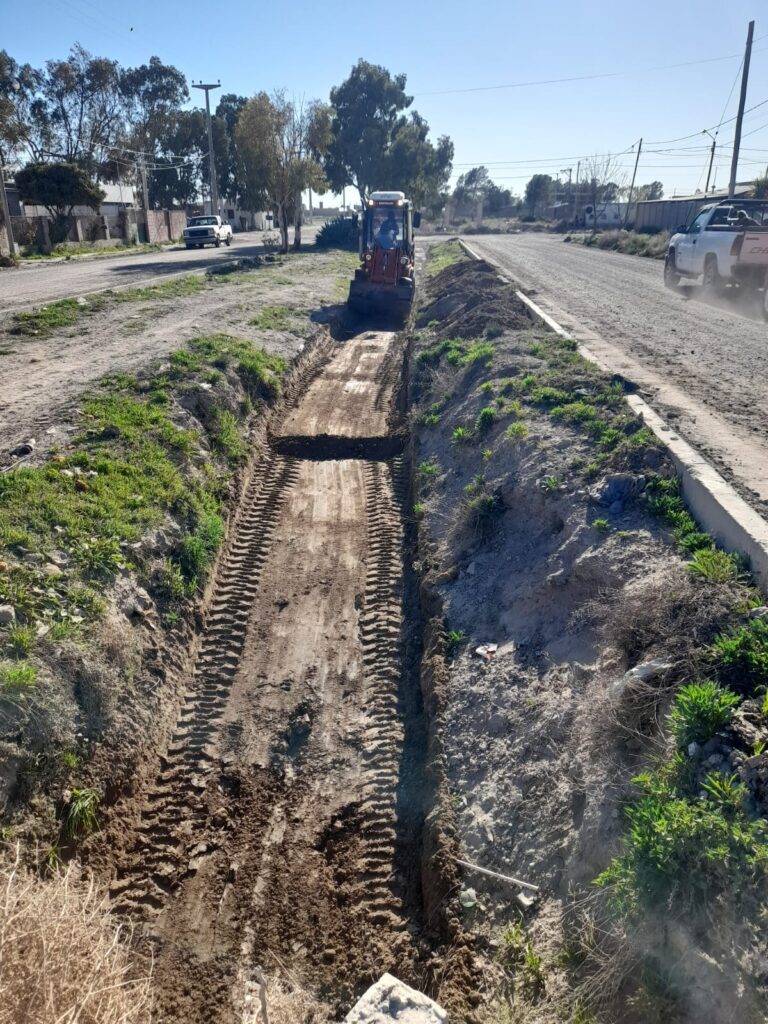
742 189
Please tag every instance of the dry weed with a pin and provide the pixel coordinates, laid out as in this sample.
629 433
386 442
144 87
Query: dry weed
62 958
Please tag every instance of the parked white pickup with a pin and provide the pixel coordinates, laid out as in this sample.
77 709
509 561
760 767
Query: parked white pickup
207 230
725 244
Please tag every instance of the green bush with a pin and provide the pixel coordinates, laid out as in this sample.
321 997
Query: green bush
687 851
700 710
339 233
712 564
741 656
485 420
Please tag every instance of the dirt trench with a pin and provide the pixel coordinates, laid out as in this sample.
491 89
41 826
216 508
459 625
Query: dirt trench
283 824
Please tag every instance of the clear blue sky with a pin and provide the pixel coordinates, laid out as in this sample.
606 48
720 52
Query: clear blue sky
444 45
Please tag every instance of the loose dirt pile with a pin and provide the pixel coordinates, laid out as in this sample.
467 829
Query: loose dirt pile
535 491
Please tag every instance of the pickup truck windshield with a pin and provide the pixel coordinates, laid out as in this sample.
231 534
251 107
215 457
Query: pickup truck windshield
195 222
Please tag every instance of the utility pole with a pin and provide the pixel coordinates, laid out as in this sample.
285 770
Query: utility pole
632 186
711 156
211 160
6 213
145 192
740 115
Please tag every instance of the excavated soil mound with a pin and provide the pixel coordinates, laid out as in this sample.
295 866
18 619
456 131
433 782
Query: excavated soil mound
470 300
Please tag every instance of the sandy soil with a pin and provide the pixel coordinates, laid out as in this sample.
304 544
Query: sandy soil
43 378
701 365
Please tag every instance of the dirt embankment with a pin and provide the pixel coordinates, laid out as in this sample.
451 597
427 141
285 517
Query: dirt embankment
547 527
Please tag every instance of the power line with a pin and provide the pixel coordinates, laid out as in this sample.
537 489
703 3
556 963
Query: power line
578 78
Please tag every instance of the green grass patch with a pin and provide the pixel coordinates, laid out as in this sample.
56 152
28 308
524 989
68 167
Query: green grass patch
131 467
516 432
443 255
274 318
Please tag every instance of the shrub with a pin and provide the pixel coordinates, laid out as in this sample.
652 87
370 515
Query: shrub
516 432
485 420
16 677
198 549
687 850
339 233
742 655
600 523
460 435
712 564
700 710
227 437
484 509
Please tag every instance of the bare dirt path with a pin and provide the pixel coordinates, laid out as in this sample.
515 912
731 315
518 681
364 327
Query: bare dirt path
701 365
35 284
282 824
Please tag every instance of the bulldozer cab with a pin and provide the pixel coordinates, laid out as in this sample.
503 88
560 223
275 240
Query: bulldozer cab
385 281
387 223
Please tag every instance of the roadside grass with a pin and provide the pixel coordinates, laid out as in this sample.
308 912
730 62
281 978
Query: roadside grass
69 251
274 318
443 255
634 243
44 320
131 467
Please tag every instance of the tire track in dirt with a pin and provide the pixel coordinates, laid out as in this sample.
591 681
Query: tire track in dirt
175 801
284 821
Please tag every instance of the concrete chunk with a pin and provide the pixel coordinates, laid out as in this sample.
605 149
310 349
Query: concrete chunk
391 1000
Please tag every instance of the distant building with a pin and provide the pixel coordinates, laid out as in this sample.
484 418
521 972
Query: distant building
117 198
669 214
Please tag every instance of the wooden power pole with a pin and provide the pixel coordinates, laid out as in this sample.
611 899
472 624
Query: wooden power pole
740 115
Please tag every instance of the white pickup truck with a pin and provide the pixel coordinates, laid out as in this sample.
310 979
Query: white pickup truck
207 230
725 244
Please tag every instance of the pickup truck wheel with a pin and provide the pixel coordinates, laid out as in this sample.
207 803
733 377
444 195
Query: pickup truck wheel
671 276
229 239
711 281
217 243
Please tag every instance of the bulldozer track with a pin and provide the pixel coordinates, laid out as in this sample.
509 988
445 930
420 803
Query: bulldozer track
176 798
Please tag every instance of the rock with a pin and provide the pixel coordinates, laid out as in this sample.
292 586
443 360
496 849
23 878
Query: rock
52 570
391 1000
621 487
616 508
640 674
21 450
759 613
693 749
7 615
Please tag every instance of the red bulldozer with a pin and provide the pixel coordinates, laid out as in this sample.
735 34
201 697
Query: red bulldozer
385 283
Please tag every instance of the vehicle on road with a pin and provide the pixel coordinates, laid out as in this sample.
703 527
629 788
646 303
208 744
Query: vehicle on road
207 230
386 280
725 244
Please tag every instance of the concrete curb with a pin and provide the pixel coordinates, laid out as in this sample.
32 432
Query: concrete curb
711 499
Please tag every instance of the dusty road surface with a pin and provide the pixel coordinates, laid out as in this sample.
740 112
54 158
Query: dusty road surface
35 283
281 825
703 366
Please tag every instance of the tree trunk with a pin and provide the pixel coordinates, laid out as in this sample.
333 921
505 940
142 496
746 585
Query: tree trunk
282 218
297 219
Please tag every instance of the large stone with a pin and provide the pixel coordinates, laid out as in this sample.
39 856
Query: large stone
7 615
391 1000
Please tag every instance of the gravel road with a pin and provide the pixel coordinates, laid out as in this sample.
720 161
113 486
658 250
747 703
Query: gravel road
37 283
702 365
